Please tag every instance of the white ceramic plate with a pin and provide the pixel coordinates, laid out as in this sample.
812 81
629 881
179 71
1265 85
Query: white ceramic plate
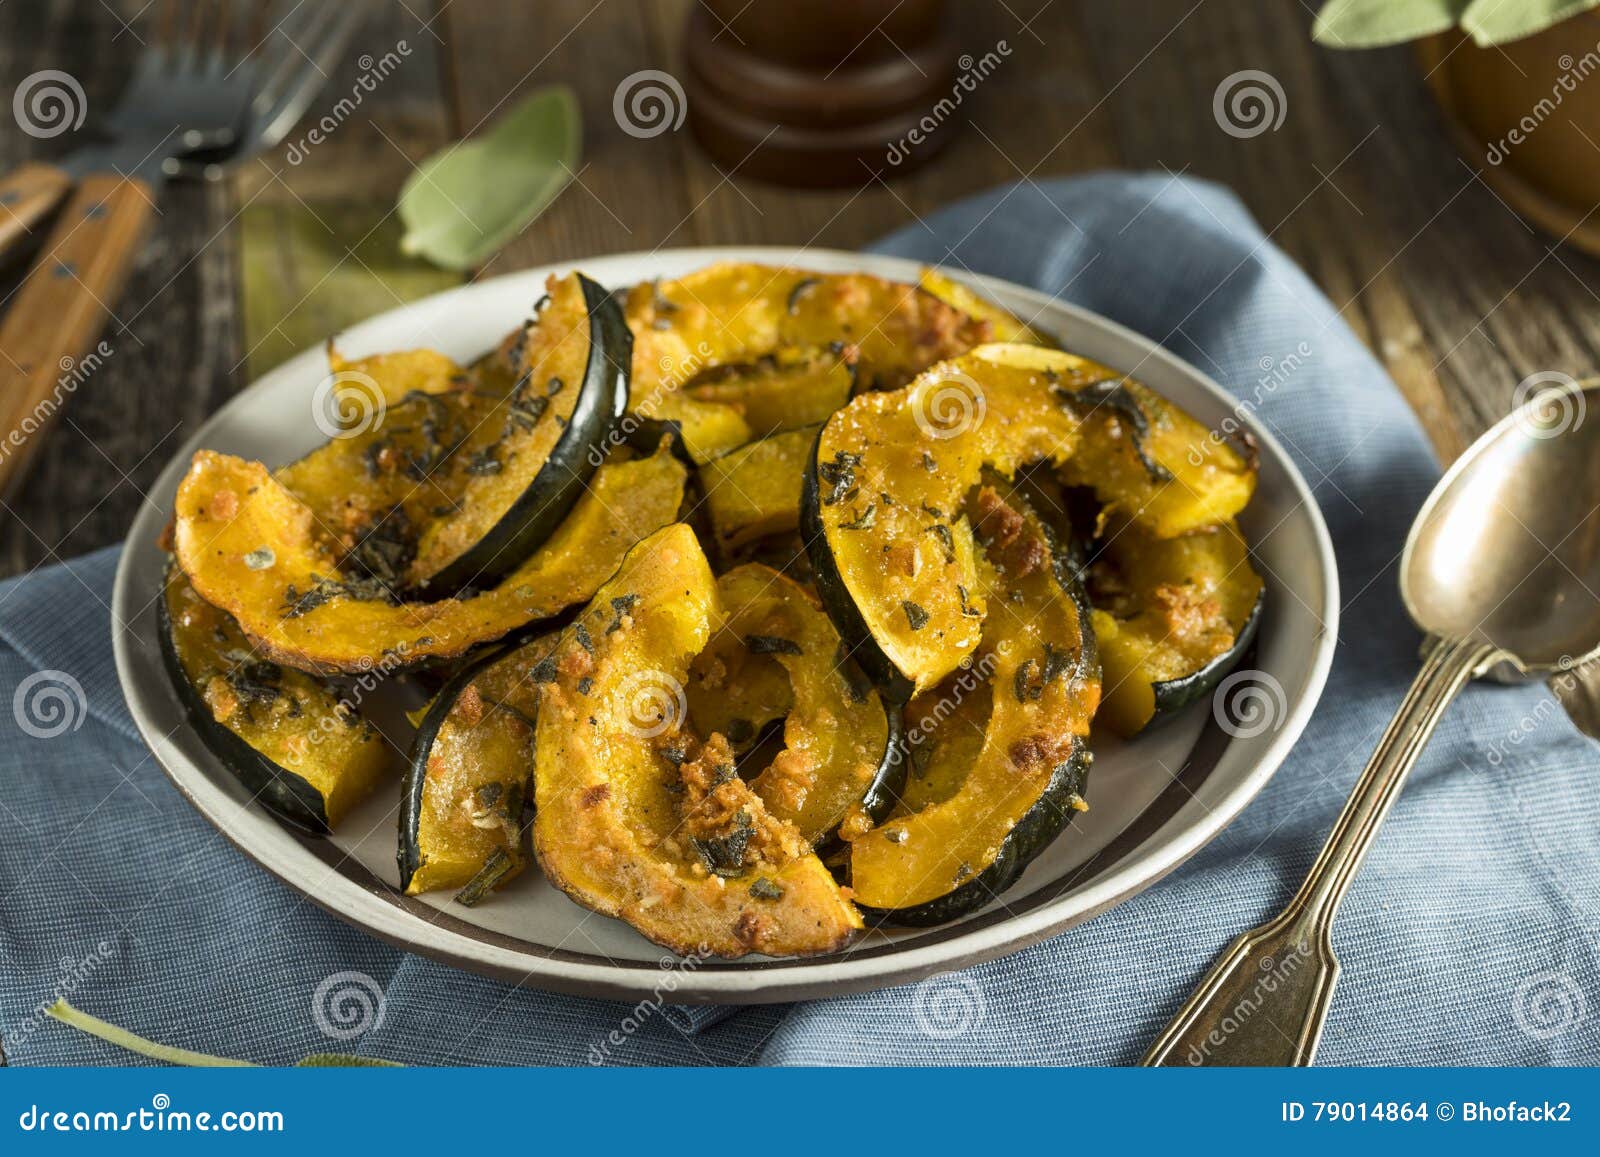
1147 817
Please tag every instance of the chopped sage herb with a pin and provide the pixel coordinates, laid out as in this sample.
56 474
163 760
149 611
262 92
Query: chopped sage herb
967 608
621 605
915 615
928 463
947 540
585 685
483 462
764 889
840 475
1022 683
581 633
724 855
862 521
544 671
771 645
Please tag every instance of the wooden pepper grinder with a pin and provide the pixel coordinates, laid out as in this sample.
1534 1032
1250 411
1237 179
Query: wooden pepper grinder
819 92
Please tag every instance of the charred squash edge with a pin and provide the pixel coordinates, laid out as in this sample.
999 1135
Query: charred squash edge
835 595
1053 812
286 795
409 853
1172 695
540 509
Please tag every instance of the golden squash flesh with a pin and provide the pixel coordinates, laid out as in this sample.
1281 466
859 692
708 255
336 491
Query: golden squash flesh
738 313
251 548
637 818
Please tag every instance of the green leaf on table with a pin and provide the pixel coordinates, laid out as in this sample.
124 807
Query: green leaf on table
1372 23
134 1043
1501 21
466 201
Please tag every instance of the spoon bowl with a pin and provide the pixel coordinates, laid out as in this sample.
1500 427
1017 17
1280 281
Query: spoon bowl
1506 550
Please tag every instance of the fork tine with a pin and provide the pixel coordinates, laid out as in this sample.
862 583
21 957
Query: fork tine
313 73
284 42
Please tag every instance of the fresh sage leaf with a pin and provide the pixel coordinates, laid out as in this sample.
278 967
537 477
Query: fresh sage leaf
466 201
134 1043
1373 23
1502 21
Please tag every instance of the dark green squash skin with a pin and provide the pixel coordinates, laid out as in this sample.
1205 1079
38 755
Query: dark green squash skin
1052 813
887 780
543 506
830 586
1173 695
1035 832
283 793
408 853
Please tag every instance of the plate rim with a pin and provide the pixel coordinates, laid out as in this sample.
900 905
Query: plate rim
749 982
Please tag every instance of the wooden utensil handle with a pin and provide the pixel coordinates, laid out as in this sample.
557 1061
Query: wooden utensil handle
59 310
27 196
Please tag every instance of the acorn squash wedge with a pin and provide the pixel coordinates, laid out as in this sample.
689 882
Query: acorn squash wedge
444 489
894 563
974 815
639 818
840 744
737 313
251 548
1172 616
304 754
882 508
470 771
754 491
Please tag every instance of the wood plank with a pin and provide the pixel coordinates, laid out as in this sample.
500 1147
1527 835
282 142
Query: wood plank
172 345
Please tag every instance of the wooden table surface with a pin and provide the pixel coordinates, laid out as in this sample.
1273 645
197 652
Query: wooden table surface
1459 298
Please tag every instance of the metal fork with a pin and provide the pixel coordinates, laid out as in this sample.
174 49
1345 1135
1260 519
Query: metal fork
192 85
284 65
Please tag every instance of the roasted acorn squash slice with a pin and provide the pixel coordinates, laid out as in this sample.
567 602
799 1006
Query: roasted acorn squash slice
636 817
973 816
738 313
883 501
438 490
839 742
754 491
786 390
894 563
1172 617
289 737
471 769
250 548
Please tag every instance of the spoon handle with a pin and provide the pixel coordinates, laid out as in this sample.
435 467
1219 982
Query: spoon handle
1265 999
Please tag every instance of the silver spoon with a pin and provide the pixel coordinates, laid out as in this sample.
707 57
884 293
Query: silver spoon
1501 570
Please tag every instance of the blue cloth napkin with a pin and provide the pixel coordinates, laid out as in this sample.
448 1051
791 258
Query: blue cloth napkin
1472 936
